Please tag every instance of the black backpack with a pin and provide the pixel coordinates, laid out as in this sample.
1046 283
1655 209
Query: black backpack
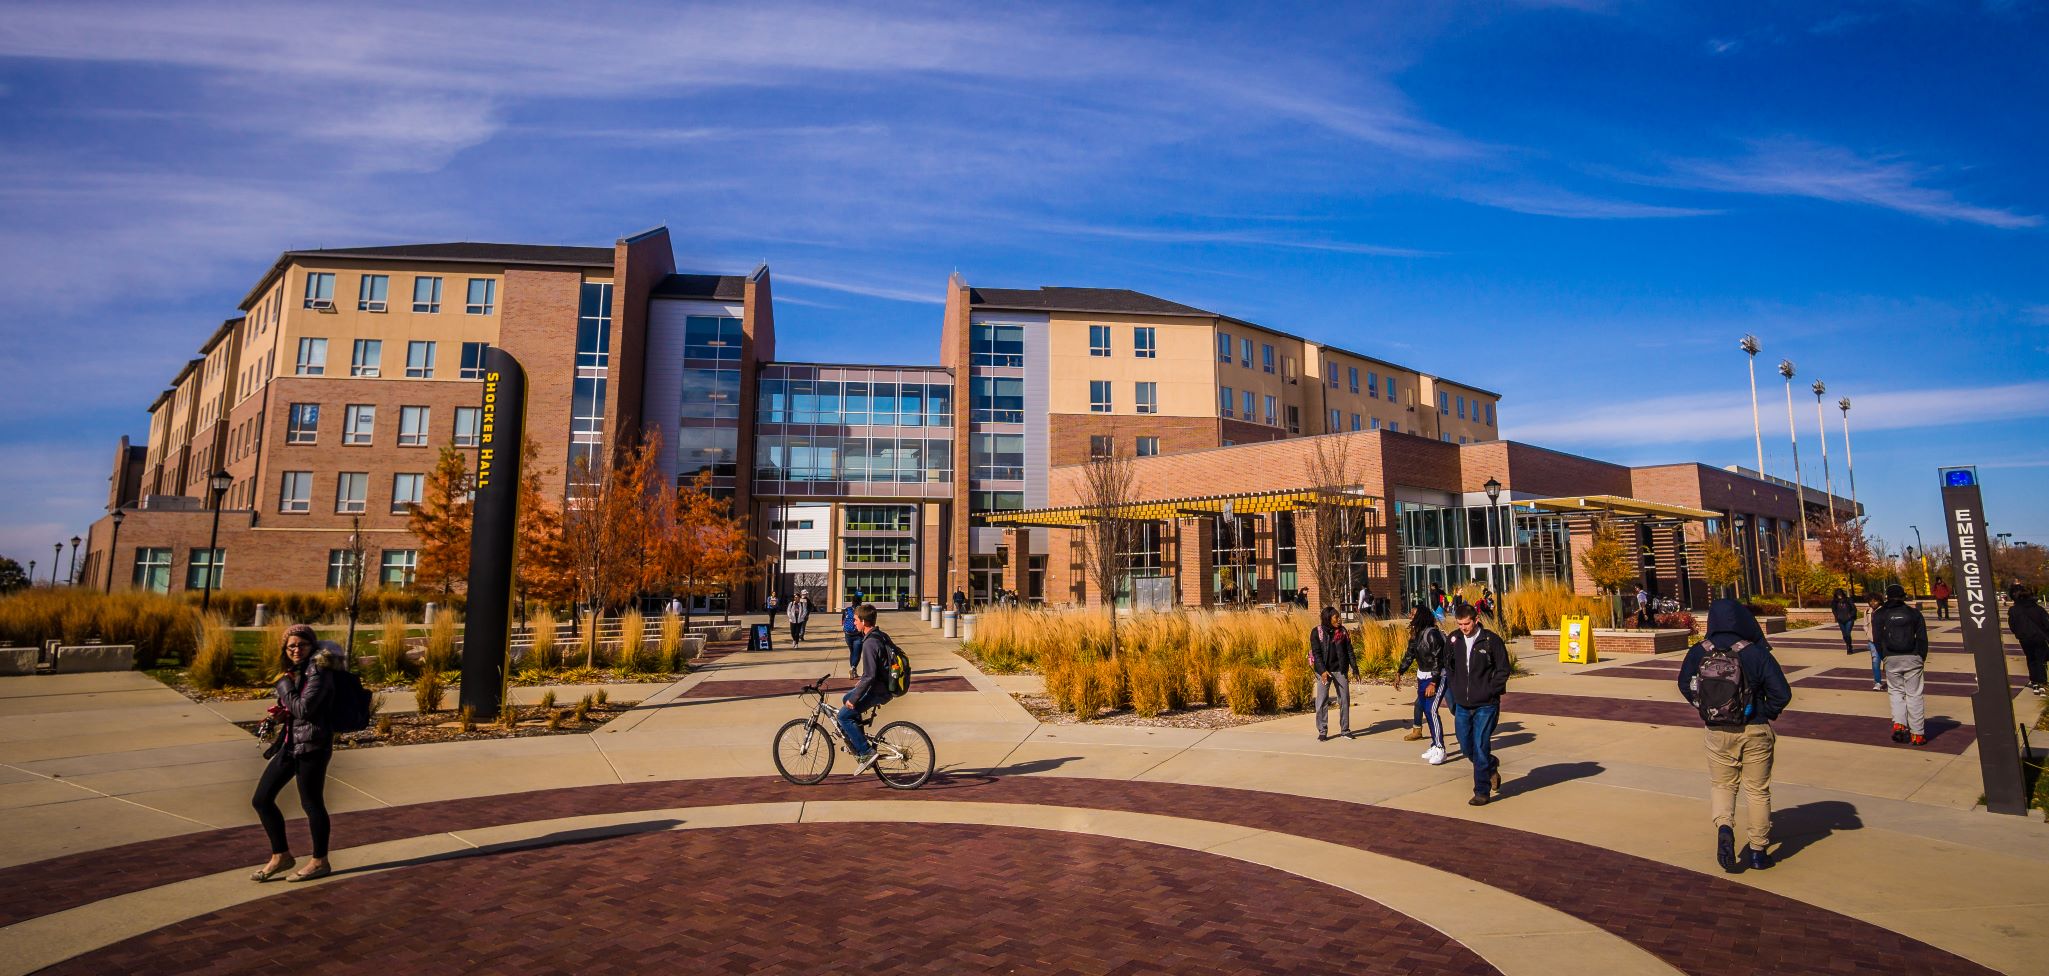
349 708
1896 632
1719 690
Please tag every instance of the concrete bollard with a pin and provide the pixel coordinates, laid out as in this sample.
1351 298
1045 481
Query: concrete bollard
924 610
262 615
427 614
950 625
935 617
967 626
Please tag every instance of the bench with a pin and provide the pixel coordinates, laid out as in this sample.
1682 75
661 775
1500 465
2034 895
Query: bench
95 657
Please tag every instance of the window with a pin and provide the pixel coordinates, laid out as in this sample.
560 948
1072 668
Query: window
1266 357
1337 420
1444 403
1101 446
1294 419
472 367
1333 371
320 290
1147 397
872 550
1354 375
1251 406
203 568
412 426
370 293
368 354
1145 342
1099 340
312 357
1462 438
1373 423
1355 421
712 337
1099 396
427 294
996 457
1490 415
302 424
351 488
397 570
295 492
879 518
713 394
1372 385
360 424
153 569
1393 426
405 491
1224 398
1461 407
1273 417
1245 353
1148 446
1223 347
594 326
483 299
468 426
341 569
420 360
996 345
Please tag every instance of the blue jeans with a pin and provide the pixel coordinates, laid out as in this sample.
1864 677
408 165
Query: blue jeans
1426 709
1847 640
853 649
1877 664
1475 727
850 726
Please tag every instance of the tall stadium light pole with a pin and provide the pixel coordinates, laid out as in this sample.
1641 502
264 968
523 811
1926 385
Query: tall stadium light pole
1828 490
1749 345
1793 433
1849 460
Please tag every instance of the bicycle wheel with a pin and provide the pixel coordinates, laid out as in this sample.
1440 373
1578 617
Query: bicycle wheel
907 756
803 751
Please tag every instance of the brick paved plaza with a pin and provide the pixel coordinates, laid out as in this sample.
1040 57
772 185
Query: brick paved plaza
666 841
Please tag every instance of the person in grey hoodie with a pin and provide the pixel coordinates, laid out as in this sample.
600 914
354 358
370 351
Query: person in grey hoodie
1738 705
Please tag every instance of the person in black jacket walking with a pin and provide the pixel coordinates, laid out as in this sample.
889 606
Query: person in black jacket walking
1903 643
1477 673
1738 706
305 743
1844 610
2030 626
1330 656
1426 652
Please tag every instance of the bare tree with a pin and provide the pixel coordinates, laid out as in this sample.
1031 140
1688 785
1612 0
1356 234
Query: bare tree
1339 528
1109 485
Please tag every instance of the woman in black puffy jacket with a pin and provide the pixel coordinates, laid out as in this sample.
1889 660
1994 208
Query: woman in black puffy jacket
304 745
1844 610
1427 652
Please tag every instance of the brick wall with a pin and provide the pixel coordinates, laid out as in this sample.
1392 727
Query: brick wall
1068 434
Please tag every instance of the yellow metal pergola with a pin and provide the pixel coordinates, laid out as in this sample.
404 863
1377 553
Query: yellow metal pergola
1244 503
1614 505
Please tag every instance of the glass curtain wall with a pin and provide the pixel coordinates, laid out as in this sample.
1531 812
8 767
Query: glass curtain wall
588 392
1235 576
708 434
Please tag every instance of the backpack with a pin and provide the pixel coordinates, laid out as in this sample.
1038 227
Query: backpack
349 709
1896 634
1719 690
896 668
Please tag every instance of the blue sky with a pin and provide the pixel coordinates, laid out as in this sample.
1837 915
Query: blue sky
1581 205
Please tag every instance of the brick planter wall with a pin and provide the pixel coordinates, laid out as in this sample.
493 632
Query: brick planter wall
1624 641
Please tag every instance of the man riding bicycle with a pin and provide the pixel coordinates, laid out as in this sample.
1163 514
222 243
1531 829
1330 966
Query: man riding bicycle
869 691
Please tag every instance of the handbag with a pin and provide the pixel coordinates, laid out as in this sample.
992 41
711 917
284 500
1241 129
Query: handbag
271 736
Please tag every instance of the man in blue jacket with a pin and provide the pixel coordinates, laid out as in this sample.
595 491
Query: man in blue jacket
1736 683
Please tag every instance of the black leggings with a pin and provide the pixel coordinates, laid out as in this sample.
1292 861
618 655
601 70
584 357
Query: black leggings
311 770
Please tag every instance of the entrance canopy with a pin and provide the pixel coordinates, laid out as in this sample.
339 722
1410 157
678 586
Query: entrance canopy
1631 509
1244 503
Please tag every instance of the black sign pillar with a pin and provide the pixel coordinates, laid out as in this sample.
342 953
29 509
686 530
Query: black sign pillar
494 525
1970 547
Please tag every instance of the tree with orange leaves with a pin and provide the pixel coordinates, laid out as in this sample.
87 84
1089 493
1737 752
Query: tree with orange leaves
702 547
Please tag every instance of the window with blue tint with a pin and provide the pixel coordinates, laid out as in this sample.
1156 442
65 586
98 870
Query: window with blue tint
1337 420
910 404
711 394
1444 403
882 404
1490 415
1355 378
996 400
1223 347
712 337
1355 421
1332 369
1099 340
803 401
1251 406
705 449
1273 416
1099 396
938 405
1224 398
1393 426
1390 389
771 402
1461 407
1146 397
587 405
1145 342
854 403
594 326
483 296
1245 353
1266 357
1374 424
996 345
996 457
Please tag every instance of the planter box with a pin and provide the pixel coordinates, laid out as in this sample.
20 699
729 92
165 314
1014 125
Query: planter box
95 657
1772 625
1608 642
17 660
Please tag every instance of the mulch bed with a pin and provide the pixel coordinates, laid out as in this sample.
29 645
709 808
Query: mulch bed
1217 717
411 729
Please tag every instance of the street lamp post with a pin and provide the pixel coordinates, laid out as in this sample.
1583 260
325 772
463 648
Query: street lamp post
1923 547
1749 345
356 552
1500 586
73 578
1849 460
219 482
114 549
56 553
1793 434
1828 490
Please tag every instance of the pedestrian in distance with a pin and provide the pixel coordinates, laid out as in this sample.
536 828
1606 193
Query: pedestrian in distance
1427 653
1734 681
799 615
301 752
1363 604
1941 593
960 602
853 638
1477 672
772 605
1330 656
1903 642
1871 642
2029 625
1844 610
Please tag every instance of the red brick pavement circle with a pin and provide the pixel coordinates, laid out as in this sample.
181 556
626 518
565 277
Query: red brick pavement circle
1697 922
1945 735
809 898
778 687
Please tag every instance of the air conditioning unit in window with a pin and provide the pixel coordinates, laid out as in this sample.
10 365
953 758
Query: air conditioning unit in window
373 306
320 304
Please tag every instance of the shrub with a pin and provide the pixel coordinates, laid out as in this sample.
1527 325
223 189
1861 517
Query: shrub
428 692
1250 690
441 642
1200 679
1540 605
1766 608
632 654
548 699
582 712
392 664
159 626
466 720
383 726
1154 688
213 668
1296 687
670 649
603 696
1675 621
508 717
543 653
554 720
268 656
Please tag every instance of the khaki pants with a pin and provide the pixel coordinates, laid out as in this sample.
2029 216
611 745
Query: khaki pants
1742 758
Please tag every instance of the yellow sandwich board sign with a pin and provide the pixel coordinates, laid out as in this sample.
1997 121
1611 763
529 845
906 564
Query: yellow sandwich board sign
1576 640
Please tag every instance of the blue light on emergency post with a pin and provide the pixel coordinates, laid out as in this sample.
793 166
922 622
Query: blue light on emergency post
1959 477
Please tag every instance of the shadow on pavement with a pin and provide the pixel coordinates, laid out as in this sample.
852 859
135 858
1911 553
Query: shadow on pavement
954 779
1552 775
1797 827
583 835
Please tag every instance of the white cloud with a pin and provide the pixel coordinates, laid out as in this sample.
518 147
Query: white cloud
1561 203
1800 168
1242 238
1698 418
935 296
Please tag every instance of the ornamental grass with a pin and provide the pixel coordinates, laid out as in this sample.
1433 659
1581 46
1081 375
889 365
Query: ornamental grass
213 668
543 652
1540 605
159 626
392 664
441 642
632 655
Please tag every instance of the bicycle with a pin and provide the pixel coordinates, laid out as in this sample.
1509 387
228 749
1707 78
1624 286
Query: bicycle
805 747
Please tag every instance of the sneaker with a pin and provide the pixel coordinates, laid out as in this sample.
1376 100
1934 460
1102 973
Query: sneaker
1434 756
1725 849
1918 740
1761 859
2037 689
1878 686
1415 732
866 761
1899 732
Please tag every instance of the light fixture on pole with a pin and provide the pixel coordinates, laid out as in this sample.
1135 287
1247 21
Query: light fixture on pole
219 482
1849 460
114 548
73 578
1792 433
1923 547
1500 587
1828 490
1749 345
56 553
